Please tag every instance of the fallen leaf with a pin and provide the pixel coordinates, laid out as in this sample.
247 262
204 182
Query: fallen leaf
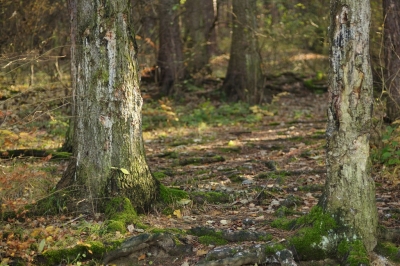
178 214
201 252
142 257
41 245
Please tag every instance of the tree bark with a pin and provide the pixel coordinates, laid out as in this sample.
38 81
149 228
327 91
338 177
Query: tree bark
170 54
199 31
108 150
391 14
350 191
244 79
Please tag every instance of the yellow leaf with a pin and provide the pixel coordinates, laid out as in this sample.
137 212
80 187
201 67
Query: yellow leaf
49 229
81 243
201 252
126 172
178 214
36 232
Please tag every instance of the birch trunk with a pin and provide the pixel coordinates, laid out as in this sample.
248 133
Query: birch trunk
350 191
107 142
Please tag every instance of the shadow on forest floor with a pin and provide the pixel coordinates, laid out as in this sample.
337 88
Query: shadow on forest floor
271 164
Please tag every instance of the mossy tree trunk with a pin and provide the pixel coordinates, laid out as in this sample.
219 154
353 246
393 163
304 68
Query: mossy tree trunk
391 14
109 158
350 191
170 54
244 79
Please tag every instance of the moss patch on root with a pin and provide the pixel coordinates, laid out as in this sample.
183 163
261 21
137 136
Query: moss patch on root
170 195
313 241
212 240
210 197
388 250
120 212
353 253
82 252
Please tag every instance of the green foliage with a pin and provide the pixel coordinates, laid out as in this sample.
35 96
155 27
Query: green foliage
390 152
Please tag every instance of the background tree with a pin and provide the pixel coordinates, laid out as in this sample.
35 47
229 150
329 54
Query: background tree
391 14
350 191
244 78
199 34
108 149
170 54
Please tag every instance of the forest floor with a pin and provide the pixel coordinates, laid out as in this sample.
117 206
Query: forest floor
270 164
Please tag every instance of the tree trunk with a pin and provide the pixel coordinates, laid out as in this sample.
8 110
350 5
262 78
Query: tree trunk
107 142
350 191
170 54
244 78
391 14
199 22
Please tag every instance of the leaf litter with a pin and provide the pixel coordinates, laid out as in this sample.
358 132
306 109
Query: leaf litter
273 166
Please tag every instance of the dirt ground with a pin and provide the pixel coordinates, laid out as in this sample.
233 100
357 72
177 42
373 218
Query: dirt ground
262 166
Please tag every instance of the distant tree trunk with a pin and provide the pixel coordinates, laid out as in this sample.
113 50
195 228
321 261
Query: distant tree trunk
391 14
199 22
108 149
349 190
170 54
244 79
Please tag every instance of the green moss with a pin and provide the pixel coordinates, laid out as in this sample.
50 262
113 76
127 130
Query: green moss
114 226
283 223
210 197
212 240
272 249
167 230
283 211
312 240
85 251
120 212
170 195
353 253
389 250
159 175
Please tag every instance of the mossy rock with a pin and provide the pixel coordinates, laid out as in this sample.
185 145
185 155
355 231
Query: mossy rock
272 249
210 197
170 195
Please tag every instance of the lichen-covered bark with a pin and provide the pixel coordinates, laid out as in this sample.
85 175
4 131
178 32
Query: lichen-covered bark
244 78
107 102
391 14
350 190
